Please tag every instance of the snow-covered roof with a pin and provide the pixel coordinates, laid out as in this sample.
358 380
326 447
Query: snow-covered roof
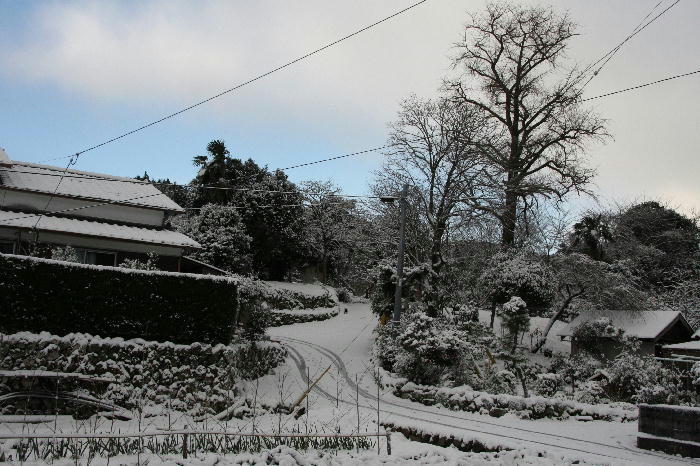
688 345
25 176
645 325
97 229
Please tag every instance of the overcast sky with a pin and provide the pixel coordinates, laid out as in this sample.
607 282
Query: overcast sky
73 74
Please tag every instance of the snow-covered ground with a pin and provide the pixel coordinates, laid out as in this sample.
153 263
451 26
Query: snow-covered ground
337 404
345 343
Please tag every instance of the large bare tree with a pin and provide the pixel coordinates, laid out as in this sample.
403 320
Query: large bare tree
512 68
434 150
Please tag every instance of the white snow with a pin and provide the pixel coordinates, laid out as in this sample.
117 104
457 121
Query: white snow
642 324
95 229
688 345
33 177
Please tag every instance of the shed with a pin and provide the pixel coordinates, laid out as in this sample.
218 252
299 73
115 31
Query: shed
653 328
687 348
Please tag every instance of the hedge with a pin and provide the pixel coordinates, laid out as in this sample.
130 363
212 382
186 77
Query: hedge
465 399
196 378
279 318
60 297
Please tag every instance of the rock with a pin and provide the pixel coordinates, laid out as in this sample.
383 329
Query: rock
498 412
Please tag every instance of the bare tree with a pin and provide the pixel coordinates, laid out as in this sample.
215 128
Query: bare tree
511 58
434 151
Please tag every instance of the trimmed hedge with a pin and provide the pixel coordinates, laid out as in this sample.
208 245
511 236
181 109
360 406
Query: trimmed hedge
496 405
279 318
196 378
59 297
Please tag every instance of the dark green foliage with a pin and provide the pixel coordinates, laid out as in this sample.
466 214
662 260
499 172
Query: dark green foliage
663 244
220 231
268 203
63 298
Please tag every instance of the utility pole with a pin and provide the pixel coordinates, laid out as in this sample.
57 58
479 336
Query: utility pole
399 262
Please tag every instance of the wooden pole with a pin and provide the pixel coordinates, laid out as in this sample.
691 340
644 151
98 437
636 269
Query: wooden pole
303 395
377 410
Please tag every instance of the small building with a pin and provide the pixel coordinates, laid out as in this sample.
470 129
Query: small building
654 329
687 348
106 219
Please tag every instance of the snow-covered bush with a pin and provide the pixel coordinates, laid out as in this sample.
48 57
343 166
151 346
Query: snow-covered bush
221 232
515 320
641 378
589 392
548 384
344 294
151 263
500 382
66 254
695 374
519 274
197 377
465 399
587 334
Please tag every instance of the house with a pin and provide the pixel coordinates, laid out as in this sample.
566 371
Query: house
654 329
105 218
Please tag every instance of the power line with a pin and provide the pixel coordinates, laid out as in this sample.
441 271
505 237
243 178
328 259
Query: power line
642 85
339 157
608 56
79 177
250 81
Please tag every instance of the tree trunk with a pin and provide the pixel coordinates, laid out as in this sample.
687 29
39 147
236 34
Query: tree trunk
509 219
493 312
554 318
433 301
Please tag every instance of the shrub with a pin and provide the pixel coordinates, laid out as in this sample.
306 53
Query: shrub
589 392
114 302
150 264
587 334
548 384
344 295
515 319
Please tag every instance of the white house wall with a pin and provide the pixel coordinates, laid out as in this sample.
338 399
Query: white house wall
28 201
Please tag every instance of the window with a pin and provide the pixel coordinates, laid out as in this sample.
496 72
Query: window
101 258
7 247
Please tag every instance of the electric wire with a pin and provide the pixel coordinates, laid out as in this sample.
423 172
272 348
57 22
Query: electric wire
250 81
641 85
608 56
78 178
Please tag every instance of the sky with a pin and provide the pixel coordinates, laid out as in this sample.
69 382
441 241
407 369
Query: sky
76 73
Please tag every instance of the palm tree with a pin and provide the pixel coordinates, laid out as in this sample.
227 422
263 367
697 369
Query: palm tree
590 236
213 166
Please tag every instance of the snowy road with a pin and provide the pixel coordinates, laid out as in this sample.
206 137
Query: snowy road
344 343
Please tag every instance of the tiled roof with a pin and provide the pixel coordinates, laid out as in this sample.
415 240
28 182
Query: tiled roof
646 325
84 185
96 229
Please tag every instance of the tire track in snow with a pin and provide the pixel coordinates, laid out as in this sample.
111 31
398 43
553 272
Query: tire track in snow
340 365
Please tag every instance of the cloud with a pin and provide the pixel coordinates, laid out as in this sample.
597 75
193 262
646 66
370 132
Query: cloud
181 52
